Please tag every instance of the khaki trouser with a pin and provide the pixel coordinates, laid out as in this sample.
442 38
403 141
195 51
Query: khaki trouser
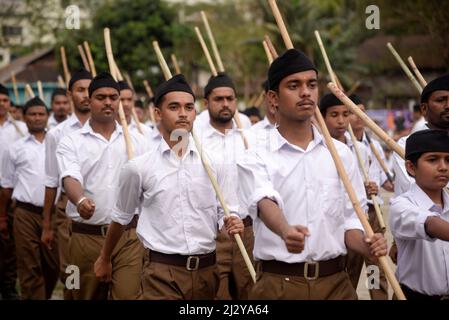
126 260
8 266
167 282
355 262
235 279
63 240
271 286
37 266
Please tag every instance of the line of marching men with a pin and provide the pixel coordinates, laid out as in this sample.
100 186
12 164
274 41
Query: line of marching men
153 228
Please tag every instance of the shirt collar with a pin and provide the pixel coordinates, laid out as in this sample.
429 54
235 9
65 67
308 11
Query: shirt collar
87 128
280 141
424 202
191 147
209 130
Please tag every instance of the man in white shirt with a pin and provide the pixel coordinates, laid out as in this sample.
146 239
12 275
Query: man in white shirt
203 119
60 107
435 109
127 99
9 133
78 94
303 219
89 161
419 218
336 115
221 138
179 210
23 181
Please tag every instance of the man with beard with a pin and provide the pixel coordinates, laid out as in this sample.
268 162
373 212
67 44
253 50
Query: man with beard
127 99
78 93
60 107
89 161
303 220
8 135
221 138
23 180
179 209
435 109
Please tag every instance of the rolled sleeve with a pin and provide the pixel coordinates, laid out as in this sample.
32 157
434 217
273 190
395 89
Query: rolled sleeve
255 184
51 162
407 221
67 160
352 221
128 198
8 169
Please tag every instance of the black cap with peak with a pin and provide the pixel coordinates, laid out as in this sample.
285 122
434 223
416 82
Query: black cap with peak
221 80
103 80
176 83
292 61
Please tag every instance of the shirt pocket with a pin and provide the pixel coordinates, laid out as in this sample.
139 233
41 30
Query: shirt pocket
332 199
202 196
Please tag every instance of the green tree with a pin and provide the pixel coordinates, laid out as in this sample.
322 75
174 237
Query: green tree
134 25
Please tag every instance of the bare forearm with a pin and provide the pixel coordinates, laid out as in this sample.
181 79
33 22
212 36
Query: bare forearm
113 235
354 240
49 200
73 189
437 228
272 216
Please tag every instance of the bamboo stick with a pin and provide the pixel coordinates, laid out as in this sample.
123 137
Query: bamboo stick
40 90
366 178
29 91
271 47
113 69
175 64
338 163
382 163
206 52
368 122
14 85
65 66
405 68
418 74
61 83
90 59
212 41
150 106
83 58
267 52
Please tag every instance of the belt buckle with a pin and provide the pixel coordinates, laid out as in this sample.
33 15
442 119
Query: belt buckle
197 263
104 230
306 270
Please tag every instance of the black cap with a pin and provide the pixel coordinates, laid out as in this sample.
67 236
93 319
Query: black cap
252 111
124 85
138 104
441 83
103 80
221 80
176 83
292 61
33 102
80 74
58 92
4 90
327 101
429 140
355 98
